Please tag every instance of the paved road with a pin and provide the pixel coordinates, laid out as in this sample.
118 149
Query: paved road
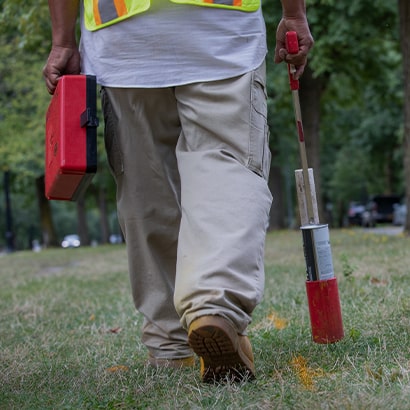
385 230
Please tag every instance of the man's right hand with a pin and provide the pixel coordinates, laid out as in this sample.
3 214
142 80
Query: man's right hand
294 19
305 41
61 60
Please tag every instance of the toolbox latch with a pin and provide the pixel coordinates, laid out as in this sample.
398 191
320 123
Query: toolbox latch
87 119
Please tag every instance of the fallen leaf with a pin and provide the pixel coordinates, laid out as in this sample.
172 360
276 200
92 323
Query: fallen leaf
115 330
379 282
278 322
374 374
119 368
272 321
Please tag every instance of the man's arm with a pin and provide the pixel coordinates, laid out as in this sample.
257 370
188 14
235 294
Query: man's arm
64 57
294 8
63 14
293 19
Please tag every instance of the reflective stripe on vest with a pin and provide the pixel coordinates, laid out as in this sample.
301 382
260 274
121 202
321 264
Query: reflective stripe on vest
106 11
226 2
102 13
241 5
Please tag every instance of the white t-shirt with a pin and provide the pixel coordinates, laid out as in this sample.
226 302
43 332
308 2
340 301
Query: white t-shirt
175 45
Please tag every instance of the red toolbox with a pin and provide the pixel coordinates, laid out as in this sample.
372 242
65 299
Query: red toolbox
71 138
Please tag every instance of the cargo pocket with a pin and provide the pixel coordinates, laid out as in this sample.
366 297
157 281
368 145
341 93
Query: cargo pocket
112 146
259 153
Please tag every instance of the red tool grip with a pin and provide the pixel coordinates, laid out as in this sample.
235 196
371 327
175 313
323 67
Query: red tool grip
292 47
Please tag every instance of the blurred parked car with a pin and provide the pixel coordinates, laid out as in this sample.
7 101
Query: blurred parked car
381 207
399 214
369 217
354 213
71 241
115 239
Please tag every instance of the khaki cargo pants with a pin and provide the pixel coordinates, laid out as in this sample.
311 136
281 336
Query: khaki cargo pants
191 165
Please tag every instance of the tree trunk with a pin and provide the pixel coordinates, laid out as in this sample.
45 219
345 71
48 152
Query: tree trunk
311 89
9 217
46 217
82 227
276 216
104 224
404 13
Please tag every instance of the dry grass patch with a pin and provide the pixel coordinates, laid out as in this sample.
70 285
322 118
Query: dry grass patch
70 337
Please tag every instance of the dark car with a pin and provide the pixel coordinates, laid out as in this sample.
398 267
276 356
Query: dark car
381 207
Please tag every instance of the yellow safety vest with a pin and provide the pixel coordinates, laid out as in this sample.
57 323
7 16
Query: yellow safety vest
102 13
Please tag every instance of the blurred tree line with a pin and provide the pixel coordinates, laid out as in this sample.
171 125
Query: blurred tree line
353 96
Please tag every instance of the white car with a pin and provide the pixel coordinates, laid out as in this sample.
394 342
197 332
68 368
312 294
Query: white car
399 214
71 241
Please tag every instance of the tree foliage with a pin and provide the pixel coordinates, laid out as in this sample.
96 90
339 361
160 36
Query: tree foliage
356 56
25 40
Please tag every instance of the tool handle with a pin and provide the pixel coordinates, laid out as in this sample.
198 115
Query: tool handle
292 47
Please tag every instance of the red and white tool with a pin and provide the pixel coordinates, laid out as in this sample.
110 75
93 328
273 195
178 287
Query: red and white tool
321 284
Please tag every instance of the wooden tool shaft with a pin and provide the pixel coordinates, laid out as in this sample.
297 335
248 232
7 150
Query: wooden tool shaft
303 158
303 194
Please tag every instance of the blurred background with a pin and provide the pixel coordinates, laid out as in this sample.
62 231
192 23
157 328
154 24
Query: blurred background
356 120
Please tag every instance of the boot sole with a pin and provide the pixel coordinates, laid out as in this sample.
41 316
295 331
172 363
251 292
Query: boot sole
219 347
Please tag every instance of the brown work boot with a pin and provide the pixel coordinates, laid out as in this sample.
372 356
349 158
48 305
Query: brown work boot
224 355
171 363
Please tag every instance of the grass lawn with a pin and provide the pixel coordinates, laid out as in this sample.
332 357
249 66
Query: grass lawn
70 337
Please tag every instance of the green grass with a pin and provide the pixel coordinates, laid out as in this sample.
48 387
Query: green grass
69 334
